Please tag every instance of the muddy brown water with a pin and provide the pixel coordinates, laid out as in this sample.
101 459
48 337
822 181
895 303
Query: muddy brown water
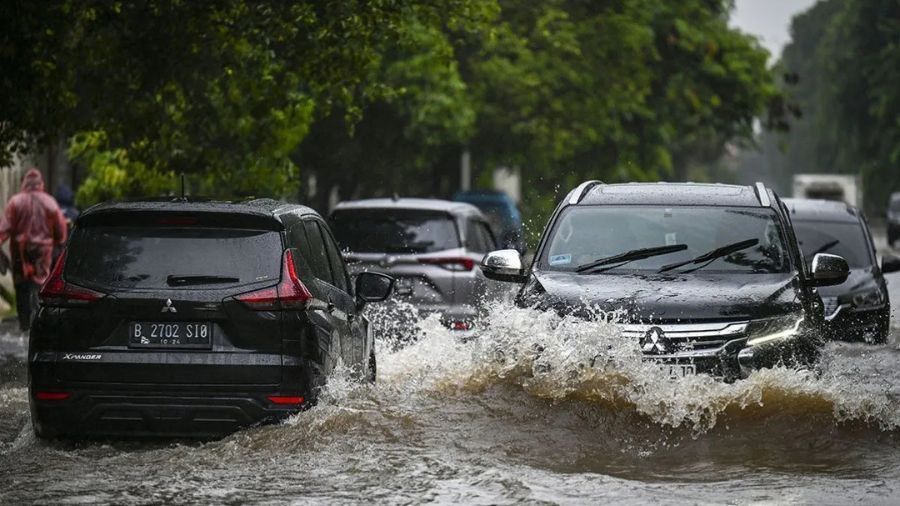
482 422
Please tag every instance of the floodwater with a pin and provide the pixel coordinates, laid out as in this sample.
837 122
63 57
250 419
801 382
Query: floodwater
486 422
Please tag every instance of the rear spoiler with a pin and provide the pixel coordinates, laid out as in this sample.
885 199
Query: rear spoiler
179 219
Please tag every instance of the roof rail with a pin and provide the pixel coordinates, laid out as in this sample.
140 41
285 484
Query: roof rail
581 190
762 194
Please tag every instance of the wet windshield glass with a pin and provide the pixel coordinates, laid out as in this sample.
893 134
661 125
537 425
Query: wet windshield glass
126 257
837 238
394 231
585 234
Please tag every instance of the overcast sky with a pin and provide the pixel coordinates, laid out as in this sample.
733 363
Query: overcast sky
770 20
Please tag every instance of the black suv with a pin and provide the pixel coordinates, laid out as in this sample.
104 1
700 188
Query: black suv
193 319
859 308
710 277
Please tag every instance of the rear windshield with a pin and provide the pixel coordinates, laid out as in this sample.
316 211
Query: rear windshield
394 231
158 257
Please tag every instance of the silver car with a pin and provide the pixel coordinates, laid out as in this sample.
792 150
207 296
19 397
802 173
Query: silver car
433 248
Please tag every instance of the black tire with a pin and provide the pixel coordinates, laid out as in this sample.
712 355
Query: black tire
372 369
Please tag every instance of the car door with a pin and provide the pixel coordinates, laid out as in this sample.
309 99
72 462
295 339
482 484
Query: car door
312 267
339 305
357 343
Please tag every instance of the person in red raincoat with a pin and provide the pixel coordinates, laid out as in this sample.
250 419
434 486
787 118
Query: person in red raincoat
34 225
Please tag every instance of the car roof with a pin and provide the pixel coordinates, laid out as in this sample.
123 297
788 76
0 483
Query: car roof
821 210
256 207
446 206
710 194
483 196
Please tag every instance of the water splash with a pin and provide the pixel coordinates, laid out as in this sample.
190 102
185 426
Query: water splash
555 357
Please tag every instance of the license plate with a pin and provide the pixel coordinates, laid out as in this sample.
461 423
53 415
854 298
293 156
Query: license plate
170 334
679 370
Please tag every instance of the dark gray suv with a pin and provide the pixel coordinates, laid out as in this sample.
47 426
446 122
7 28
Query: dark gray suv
433 248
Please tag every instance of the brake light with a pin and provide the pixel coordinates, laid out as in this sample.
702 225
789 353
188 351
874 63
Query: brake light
451 263
286 399
57 292
460 325
52 396
289 293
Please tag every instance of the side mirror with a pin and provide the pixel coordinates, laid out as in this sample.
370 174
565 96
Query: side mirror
373 286
828 270
503 265
890 263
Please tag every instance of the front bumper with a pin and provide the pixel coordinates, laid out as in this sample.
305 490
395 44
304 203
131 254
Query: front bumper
721 349
846 323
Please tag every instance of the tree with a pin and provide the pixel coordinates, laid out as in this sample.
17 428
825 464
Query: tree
843 65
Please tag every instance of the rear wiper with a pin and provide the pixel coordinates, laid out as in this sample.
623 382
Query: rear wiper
714 254
199 280
628 256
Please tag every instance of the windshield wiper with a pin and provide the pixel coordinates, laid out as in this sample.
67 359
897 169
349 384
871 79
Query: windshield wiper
199 280
714 254
827 246
629 256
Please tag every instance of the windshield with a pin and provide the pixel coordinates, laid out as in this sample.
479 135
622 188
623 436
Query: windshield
837 238
394 231
154 257
587 233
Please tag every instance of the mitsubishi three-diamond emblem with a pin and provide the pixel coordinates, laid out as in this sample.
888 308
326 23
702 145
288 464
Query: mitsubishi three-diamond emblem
168 307
655 342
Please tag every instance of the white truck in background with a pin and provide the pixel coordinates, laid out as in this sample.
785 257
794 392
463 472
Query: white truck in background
842 187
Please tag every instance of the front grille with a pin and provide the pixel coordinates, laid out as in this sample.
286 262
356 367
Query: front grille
830 305
683 337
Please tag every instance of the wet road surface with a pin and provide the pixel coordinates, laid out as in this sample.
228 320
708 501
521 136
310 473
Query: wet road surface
482 422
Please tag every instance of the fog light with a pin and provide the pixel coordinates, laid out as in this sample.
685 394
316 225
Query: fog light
286 399
52 396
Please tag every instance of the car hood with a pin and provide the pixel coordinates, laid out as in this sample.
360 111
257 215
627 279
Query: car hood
667 298
858 280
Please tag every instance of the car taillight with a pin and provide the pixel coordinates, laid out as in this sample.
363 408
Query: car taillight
286 399
57 292
451 263
290 293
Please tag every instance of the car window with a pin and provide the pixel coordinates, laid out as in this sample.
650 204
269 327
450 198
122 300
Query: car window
475 237
394 230
339 271
838 238
146 257
487 236
588 233
316 255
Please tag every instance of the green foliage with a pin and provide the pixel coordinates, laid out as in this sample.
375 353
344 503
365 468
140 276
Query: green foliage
113 174
843 67
381 96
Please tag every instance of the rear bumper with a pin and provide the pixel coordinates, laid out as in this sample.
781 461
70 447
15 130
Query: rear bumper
116 411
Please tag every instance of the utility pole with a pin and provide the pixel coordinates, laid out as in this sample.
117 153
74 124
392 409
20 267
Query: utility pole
465 170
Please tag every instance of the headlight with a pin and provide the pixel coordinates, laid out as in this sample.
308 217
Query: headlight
775 329
868 299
